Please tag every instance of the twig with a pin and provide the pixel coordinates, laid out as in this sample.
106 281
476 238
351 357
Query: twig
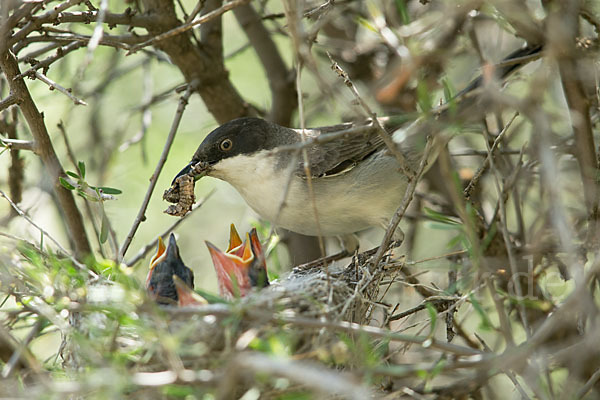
17 354
306 162
310 375
506 237
88 209
185 27
53 85
588 385
199 6
341 326
397 217
8 101
37 22
45 151
281 82
144 250
18 144
385 136
44 64
154 178
490 153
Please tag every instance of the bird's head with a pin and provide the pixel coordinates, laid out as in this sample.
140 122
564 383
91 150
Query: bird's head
241 267
163 265
243 136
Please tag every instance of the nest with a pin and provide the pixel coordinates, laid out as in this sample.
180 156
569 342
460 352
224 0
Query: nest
289 306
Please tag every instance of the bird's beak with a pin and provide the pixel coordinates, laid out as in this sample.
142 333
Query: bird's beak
156 258
186 170
172 249
234 240
258 266
185 294
256 246
232 270
160 251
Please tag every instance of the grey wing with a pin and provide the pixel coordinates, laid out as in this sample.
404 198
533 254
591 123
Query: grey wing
339 155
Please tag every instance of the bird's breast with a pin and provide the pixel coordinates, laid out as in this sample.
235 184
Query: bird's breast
365 196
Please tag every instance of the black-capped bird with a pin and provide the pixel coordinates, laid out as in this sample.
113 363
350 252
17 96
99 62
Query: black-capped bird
357 181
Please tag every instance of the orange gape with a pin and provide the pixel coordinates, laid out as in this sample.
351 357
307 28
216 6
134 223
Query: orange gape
165 264
241 267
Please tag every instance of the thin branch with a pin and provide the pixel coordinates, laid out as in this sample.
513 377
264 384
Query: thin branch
491 153
45 64
310 375
385 136
281 80
36 23
152 245
339 326
18 144
8 101
185 27
588 385
397 217
129 17
53 85
45 150
161 162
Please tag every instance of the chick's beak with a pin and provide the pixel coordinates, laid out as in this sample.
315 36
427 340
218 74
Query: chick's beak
232 270
156 258
160 250
172 249
258 265
234 240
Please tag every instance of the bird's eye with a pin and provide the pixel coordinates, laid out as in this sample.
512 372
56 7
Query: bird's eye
226 145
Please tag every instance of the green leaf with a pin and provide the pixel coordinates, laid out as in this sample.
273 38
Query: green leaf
433 316
485 324
366 24
439 217
65 184
109 190
72 174
210 297
423 96
104 229
81 166
402 11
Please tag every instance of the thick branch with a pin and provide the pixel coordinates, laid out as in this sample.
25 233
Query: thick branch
566 21
45 151
281 80
217 92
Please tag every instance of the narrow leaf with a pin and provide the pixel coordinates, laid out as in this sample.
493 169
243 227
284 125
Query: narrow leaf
81 166
65 183
109 190
104 229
